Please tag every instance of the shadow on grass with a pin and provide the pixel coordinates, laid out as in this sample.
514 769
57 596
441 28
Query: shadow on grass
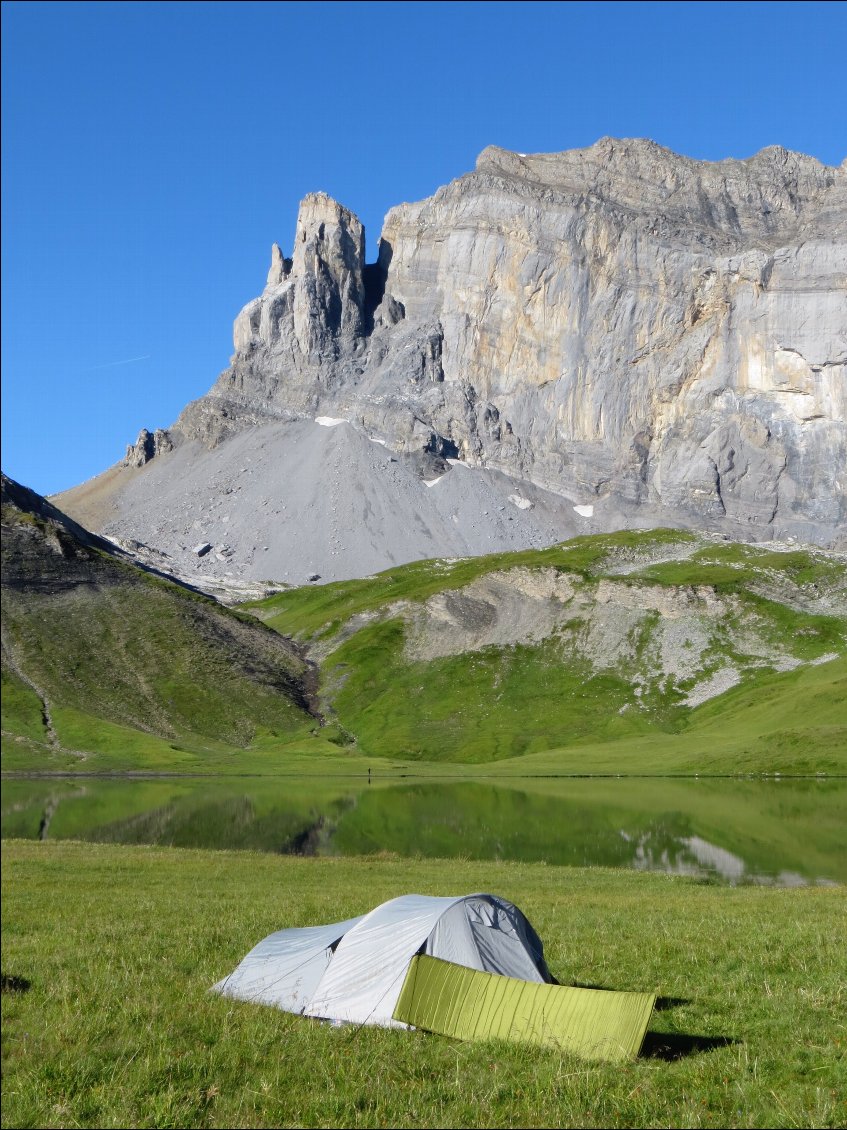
662 1003
667 1046
11 984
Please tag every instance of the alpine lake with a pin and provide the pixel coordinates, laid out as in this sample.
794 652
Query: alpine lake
775 831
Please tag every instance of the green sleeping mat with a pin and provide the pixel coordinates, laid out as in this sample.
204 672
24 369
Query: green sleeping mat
439 996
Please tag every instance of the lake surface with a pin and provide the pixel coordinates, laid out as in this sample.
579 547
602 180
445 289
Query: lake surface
786 832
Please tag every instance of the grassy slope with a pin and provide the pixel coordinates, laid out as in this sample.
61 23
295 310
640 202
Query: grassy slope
320 610
117 1028
126 660
792 723
758 730
92 744
500 703
152 656
133 662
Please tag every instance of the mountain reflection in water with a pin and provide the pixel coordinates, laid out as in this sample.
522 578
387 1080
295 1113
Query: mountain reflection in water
784 832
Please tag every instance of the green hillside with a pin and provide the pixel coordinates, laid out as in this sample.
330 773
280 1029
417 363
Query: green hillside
99 655
638 652
623 653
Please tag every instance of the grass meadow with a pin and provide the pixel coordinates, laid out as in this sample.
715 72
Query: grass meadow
108 953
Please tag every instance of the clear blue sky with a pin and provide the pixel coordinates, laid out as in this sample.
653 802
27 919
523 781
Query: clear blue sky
152 153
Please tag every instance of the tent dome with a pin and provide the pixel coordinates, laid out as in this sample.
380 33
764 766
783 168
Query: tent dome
354 971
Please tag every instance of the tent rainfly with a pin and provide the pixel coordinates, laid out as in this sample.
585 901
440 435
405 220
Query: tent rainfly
471 967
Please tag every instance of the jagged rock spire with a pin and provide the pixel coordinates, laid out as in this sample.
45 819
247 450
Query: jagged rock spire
280 266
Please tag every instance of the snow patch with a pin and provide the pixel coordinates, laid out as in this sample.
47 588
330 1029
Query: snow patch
585 511
431 482
520 502
328 421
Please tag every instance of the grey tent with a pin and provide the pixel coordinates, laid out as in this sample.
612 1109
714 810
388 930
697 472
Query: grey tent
353 971
470 967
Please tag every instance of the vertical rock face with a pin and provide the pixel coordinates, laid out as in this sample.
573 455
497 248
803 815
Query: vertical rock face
616 320
329 295
148 445
314 303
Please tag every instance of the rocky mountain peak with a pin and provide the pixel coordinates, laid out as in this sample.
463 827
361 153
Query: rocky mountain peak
315 300
328 260
632 330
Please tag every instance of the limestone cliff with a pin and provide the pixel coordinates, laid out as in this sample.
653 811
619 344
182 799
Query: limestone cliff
616 320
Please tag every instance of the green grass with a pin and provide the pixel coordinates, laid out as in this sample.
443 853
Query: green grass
792 723
115 650
150 656
519 701
732 566
151 678
504 703
111 748
119 945
21 708
483 706
320 610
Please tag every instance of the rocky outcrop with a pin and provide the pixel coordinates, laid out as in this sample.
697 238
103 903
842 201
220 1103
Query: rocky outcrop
616 321
148 445
314 303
